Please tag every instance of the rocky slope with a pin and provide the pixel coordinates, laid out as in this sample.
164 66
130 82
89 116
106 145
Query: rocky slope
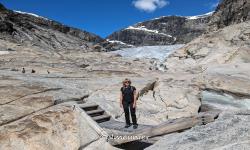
31 29
181 30
163 31
229 132
27 100
64 75
218 62
59 125
230 12
37 109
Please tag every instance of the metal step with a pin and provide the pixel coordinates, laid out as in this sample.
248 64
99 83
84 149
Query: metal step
102 118
88 107
96 112
79 102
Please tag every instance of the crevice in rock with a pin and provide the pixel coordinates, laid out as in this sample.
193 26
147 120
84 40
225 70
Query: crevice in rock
21 117
166 105
151 87
65 77
84 65
135 145
72 99
247 113
206 108
46 90
171 105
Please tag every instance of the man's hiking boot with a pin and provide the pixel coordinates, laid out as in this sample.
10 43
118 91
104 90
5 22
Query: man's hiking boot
127 125
135 126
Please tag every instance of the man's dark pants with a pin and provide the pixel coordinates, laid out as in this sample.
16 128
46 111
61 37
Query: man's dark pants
129 106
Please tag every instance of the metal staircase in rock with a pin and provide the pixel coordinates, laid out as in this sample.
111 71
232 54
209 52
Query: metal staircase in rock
95 112
116 128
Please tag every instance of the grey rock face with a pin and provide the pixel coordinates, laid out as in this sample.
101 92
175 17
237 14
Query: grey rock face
184 29
2 8
163 31
229 132
139 38
34 30
230 12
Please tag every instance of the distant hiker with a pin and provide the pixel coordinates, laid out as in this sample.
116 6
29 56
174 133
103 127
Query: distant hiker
48 72
128 102
23 71
33 71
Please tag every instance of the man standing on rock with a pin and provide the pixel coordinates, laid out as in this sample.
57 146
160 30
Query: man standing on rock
128 102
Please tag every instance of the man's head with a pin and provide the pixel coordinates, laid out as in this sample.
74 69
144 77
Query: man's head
126 82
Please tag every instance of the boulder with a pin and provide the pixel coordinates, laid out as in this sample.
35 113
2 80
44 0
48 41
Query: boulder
57 127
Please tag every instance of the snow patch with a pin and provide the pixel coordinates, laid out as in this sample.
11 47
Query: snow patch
156 52
26 13
188 17
143 28
119 42
116 41
200 16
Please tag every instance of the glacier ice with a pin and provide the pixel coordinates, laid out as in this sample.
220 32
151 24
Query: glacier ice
156 52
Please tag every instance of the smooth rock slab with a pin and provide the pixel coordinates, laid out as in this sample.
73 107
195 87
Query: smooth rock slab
230 131
58 127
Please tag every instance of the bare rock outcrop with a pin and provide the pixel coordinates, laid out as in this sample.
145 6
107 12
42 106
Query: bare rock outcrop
30 29
91 77
57 127
218 62
215 62
230 12
226 46
166 30
229 132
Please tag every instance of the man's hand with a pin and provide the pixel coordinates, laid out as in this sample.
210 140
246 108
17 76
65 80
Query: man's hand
121 99
134 105
135 99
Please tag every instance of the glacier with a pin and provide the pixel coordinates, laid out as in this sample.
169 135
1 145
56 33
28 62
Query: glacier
155 52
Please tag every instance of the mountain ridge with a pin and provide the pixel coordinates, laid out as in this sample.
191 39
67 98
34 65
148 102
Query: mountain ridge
27 28
173 30
164 30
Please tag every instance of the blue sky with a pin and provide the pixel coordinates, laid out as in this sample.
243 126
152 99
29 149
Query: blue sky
103 17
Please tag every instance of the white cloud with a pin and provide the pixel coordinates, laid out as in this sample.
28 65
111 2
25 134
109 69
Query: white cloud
149 5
